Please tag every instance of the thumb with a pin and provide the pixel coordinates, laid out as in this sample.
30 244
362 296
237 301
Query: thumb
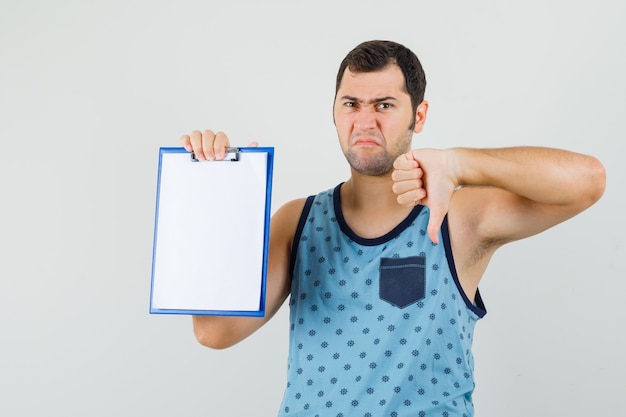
437 214
253 144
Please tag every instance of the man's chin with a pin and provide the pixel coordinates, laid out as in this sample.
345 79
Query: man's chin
376 168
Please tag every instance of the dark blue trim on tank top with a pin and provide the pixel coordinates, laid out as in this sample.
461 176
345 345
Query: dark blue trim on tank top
374 241
296 238
478 307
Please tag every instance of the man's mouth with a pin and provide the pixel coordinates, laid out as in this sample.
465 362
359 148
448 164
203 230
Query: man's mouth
366 141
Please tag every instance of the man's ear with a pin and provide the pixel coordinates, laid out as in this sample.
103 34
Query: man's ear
420 116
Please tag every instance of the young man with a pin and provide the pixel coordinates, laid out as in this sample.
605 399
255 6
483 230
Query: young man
383 270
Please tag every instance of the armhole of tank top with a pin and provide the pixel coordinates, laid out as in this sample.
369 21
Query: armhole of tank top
296 237
478 306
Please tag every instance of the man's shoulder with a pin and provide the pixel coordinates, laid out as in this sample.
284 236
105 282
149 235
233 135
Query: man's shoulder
295 207
288 215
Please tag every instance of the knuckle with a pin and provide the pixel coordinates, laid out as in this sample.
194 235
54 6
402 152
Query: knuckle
221 137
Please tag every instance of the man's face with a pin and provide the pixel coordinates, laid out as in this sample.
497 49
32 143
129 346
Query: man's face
373 117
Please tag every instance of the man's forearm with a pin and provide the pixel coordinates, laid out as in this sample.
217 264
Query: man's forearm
546 175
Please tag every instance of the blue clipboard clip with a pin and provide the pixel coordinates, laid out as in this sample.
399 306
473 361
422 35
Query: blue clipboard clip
229 151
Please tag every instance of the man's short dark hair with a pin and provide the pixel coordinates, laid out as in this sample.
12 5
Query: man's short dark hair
375 55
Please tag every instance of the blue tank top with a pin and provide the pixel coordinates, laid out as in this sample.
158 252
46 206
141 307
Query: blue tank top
378 327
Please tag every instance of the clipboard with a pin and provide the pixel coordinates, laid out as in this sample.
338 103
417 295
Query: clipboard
211 233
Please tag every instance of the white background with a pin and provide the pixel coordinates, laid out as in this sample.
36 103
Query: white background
90 90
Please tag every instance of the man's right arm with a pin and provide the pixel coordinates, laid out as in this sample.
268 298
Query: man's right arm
219 332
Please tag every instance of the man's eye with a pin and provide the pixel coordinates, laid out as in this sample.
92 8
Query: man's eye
384 106
350 104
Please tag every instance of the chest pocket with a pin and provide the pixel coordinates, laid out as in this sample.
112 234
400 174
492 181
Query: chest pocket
402 281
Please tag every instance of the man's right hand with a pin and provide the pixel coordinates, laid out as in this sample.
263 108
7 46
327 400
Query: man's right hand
206 145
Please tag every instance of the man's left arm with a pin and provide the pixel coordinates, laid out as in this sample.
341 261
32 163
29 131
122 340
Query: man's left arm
503 194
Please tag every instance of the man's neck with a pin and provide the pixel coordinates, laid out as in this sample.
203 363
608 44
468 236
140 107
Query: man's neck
369 205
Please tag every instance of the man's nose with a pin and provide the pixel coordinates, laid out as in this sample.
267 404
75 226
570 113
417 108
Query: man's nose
365 120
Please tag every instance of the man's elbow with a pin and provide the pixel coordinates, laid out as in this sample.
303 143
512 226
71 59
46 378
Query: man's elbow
598 180
214 337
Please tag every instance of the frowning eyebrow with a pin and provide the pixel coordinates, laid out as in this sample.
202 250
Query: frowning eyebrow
373 101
